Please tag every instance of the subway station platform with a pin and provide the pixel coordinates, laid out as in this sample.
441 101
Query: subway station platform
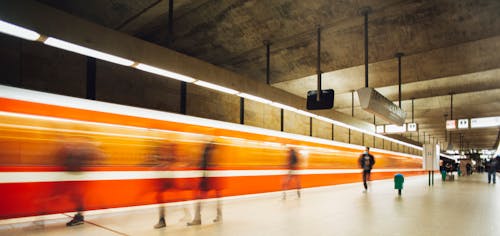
466 206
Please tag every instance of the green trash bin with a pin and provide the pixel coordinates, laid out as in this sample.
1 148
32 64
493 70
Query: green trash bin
399 179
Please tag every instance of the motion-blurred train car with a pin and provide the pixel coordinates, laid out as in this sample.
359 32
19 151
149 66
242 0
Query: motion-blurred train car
59 152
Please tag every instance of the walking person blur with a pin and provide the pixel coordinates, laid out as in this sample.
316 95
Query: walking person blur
292 165
207 184
442 169
163 157
76 153
468 167
366 162
492 171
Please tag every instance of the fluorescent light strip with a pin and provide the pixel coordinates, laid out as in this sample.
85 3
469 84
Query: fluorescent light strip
254 98
305 113
284 107
215 87
165 73
18 31
87 51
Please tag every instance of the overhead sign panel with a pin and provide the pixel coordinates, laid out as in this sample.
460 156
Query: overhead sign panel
485 122
395 128
412 127
373 102
463 123
451 124
379 129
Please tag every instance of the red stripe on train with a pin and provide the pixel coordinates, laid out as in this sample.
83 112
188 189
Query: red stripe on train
28 199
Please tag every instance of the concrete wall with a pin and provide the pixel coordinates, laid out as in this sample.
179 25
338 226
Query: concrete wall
35 66
322 129
211 104
125 85
260 115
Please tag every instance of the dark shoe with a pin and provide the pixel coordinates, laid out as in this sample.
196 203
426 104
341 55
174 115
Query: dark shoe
160 224
194 222
218 219
77 220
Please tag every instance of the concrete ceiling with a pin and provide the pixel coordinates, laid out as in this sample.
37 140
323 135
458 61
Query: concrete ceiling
450 47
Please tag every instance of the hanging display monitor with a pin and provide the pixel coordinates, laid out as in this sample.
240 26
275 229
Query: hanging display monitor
374 102
325 99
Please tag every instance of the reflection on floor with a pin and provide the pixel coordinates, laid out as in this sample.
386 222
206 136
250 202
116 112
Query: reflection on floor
466 206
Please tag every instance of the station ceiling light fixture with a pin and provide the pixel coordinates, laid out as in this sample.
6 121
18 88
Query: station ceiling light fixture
87 51
18 31
254 98
284 107
215 87
165 73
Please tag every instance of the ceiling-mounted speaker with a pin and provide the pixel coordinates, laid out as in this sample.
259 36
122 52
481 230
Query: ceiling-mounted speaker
325 99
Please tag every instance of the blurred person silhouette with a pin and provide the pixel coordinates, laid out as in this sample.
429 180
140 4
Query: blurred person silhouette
292 166
207 184
468 168
442 169
492 171
366 162
75 154
163 157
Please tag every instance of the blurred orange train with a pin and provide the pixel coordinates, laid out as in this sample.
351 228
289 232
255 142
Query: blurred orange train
55 148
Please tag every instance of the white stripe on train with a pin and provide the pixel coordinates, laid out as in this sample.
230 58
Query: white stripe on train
60 176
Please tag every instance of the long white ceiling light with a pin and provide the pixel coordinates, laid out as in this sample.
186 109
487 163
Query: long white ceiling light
215 87
24 33
305 113
254 98
166 73
17 31
284 107
87 51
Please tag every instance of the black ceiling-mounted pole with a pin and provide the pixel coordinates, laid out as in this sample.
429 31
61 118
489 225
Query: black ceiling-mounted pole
365 11
412 110
445 131
352 103
318 64
91 78
399 55
170 22
451 106
267 43
450 145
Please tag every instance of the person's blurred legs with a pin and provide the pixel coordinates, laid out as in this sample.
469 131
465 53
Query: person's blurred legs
161 222
197 215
